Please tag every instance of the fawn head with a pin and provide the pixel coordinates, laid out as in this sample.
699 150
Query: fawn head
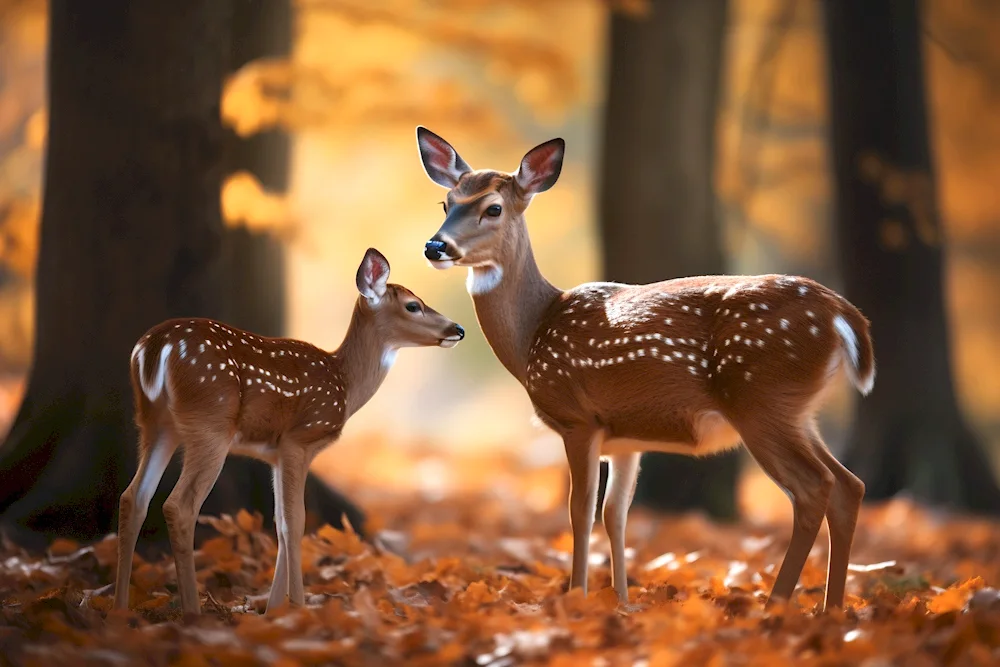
405 319
484 209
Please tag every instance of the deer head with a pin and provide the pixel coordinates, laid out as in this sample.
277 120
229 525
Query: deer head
484 210
405 318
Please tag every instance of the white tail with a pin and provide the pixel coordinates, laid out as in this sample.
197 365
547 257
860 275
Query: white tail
214 390
691 366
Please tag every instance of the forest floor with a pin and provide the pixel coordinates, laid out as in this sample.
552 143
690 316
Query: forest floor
478 577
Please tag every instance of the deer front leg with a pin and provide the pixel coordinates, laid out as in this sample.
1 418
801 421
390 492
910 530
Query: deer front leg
279 586
623 474
294 466
583 452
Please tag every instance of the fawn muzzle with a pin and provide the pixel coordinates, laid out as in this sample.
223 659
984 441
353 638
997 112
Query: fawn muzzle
456 335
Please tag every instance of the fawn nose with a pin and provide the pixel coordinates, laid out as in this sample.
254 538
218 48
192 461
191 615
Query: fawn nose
460 330
434 249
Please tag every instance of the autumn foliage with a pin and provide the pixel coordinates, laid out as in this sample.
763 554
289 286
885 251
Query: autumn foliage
480 580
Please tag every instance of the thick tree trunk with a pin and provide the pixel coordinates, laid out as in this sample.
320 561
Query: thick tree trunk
255 260
909 435
130 235
657 205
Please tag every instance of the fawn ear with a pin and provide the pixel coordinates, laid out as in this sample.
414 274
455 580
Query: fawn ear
373 274
541 166
442 163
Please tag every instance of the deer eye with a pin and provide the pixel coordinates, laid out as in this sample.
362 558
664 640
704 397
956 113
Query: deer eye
413 307
494 211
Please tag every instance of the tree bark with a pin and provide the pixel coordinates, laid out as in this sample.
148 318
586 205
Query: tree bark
909 435
130 235
255 260
657 202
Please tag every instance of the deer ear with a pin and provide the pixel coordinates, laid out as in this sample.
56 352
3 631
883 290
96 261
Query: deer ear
442 163
373 274
541 166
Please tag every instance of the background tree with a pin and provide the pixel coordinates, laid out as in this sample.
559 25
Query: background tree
909 434
255 276
130 235
657 206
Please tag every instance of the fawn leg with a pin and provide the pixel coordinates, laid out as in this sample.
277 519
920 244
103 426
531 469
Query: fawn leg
841 520
134 502
583 451
204 456
623 474
294 465
279 586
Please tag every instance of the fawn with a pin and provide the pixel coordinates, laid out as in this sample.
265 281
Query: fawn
215 390
691 366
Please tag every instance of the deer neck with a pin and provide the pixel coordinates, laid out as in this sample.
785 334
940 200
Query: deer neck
365 357
511 298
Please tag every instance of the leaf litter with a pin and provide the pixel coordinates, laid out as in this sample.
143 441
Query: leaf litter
480 581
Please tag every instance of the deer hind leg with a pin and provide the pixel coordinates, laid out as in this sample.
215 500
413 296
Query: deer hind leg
294 466
786 454
204 456
583 451
841 519
623 474
279 586
156 447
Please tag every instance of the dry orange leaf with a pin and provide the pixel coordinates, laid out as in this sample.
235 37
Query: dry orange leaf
955 597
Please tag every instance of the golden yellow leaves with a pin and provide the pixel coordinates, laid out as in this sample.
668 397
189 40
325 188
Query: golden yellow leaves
246 203
541 73
19 234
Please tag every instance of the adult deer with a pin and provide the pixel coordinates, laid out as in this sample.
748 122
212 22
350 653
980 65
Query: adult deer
214 390
691 366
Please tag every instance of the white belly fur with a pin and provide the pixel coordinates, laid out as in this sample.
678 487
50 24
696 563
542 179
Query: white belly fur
255 450
715 434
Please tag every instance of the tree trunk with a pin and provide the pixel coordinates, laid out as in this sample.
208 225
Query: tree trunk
909 435
130 235
657 205
255 260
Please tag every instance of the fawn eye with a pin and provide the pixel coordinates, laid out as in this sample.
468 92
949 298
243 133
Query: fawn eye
413 307
494 211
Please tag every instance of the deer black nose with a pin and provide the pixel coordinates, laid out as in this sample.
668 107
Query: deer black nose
434 249
460 330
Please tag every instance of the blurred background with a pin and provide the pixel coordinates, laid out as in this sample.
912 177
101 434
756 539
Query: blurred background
856 143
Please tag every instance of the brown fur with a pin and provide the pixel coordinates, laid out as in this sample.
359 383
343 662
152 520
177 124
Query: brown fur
225 391
592 360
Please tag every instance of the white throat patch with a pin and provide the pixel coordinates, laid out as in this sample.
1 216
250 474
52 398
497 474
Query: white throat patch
389 357
483 279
